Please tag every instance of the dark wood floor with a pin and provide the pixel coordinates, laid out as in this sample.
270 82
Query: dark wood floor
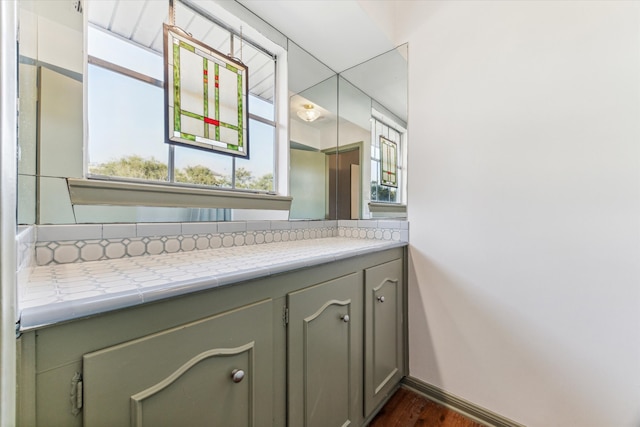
408 409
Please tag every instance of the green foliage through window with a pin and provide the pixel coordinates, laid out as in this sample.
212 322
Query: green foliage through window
152 169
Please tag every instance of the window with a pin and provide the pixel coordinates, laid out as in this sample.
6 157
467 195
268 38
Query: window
386 161
125 100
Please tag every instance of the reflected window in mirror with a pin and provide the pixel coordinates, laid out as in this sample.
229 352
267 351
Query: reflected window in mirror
387 171
125 101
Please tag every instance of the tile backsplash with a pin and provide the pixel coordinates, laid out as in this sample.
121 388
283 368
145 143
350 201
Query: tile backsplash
63 244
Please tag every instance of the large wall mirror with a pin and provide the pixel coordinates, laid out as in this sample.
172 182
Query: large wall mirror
337 124
313 132
348 139
372 138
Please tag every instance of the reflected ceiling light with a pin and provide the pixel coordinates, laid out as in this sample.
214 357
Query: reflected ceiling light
308 114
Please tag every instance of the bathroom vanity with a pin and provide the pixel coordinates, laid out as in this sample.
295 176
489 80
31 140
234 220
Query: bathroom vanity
314 335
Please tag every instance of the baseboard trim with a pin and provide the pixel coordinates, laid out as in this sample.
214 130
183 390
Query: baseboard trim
458 404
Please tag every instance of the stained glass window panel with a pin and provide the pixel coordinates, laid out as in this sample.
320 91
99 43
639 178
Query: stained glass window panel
206 94
388 162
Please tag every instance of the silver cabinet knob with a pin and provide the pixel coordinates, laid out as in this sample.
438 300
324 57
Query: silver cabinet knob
345 318
237 375
381 298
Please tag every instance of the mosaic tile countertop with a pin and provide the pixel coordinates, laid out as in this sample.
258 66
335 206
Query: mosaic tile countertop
56 293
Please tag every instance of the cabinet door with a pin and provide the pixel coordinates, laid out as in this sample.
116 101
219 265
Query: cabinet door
384 339
184 376
325 354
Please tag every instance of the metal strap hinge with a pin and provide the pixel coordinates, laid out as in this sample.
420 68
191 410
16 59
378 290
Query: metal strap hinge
76 394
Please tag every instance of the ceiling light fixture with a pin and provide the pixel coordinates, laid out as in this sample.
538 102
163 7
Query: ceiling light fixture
308 114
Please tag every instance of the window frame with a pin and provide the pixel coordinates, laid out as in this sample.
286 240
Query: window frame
117 190
390 125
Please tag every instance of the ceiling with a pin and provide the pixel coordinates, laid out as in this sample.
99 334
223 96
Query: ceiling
346 38
340 33
140 21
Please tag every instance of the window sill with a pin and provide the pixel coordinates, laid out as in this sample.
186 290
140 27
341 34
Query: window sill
118 193
376 207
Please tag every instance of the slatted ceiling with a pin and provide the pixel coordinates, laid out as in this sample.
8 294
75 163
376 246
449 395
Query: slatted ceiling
141 16
100 12
148 29
263 90
217 38
141 22
197 26
261 81
158 41
126 17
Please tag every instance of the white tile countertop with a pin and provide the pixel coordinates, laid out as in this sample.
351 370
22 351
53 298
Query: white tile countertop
60 292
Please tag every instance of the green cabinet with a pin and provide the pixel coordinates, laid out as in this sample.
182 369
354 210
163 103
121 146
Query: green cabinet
316 347
215 371
325 353
384 332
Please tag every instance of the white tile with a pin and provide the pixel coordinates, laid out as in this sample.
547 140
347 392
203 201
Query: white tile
51 233
297 225
61 144
155 247
227 241
215 242
367 223
388 224
202 243
158 229
172 245
113 231
347 223
199 228
231 227
115 250
66 254
26 199
28 109
82 295
86 283
258 225
280 225
136 248
91 252
188 244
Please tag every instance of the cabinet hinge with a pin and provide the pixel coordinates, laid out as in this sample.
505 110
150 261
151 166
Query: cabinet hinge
76 394
285 315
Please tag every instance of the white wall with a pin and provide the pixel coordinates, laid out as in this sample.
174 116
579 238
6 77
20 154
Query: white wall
524 189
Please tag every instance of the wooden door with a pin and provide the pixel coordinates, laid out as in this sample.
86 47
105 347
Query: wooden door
340 183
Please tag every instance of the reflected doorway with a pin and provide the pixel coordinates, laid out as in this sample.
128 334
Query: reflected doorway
344 184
